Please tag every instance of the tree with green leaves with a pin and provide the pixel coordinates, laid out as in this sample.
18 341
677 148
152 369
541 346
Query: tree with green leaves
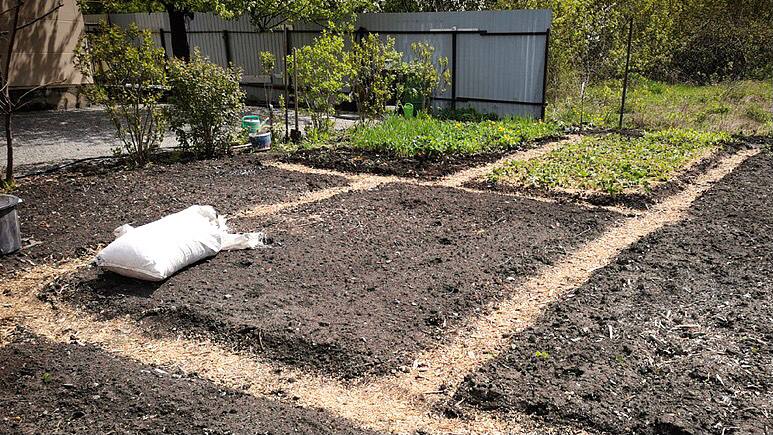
423 76
321 69
177 11
129 79
373 63
271 14
206 104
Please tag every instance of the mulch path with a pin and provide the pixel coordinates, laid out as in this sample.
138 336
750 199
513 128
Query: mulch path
70 388
673 338
354 285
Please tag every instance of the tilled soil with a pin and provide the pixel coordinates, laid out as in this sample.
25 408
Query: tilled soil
59 388
673 338
384 163
63 215
357 284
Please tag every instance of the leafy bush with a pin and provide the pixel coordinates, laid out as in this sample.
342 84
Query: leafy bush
426 136
612 163
129 80
321 69
422 76
372 75
206 104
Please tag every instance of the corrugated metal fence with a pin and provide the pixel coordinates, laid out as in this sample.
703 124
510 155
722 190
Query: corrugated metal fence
498 58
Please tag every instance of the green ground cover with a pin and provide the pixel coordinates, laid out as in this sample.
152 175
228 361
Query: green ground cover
427 136
742 107
612 163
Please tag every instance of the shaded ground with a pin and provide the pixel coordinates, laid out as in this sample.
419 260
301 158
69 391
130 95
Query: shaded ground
69 388
64 214
55 135
48 137
384 163
673 338
356 284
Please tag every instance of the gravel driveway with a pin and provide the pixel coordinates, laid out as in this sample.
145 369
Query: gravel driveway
58 136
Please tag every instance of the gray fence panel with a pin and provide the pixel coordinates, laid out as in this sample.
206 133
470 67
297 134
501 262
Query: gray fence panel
507 67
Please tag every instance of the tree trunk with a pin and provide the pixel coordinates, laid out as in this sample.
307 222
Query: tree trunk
9 148
178 33
6 84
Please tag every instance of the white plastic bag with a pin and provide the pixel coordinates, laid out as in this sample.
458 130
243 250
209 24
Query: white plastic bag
157 250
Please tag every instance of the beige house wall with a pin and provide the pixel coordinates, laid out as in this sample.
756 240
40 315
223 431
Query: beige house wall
44 50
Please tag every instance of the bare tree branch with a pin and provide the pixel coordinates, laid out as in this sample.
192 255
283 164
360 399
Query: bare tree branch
41 17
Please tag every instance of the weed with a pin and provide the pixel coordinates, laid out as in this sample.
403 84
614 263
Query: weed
426 136
542 354
46 377
612 163
733 107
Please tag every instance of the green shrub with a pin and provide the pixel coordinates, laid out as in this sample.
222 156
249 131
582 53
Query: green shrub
426 136
206 104
612 163
321 69
129 80
422 76
372 76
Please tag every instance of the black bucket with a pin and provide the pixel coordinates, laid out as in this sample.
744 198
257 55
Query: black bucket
10 238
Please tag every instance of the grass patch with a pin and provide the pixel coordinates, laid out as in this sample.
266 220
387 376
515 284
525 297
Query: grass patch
735 107
612 163
426 136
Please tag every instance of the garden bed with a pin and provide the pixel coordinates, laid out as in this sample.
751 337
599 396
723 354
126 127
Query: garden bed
633 170
66 214
69 388
674 337
424 147
354 285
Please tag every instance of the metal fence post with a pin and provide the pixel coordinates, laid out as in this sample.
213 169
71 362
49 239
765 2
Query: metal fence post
227 45
625 77
453 69
545 75
286 81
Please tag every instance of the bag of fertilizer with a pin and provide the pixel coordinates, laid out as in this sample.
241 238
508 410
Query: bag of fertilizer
157 250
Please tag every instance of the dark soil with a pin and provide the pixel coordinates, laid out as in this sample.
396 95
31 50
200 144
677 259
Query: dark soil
690 314
357 284
385 163
635 200
53 388
71 212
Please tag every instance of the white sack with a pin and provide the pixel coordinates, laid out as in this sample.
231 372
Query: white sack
157 250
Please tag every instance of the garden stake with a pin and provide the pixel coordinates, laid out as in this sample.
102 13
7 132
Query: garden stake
625 76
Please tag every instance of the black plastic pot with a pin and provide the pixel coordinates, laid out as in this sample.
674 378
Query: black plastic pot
10 237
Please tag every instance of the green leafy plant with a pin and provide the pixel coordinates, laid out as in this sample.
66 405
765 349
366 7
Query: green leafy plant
426 136
612 163
129 77
206 104
267 67
321 69
542 354
46 377
423 76
372 76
